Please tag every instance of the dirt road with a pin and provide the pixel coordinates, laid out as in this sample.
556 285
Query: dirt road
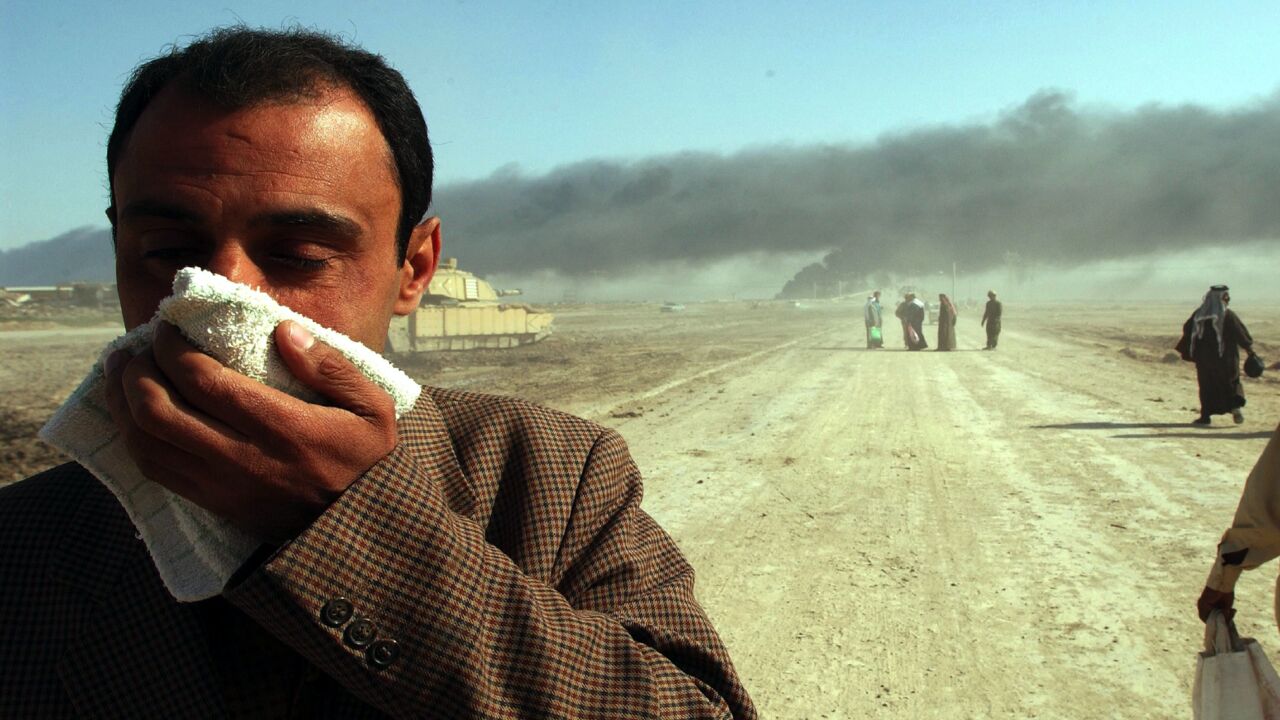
1012 534
1020 533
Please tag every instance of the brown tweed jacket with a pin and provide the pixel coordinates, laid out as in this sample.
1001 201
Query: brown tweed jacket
498 555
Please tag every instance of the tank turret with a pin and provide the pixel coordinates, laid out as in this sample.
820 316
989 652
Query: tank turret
460 311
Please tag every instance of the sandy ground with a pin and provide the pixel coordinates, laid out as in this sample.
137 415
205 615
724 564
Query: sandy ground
1018 533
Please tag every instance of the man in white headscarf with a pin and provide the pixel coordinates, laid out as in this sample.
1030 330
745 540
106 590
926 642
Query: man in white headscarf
1212 338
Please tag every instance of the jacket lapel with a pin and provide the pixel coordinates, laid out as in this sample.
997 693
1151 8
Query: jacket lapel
139 652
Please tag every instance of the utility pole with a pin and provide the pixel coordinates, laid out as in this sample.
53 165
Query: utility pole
953 281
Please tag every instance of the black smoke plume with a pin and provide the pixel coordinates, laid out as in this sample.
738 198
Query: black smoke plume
1046 182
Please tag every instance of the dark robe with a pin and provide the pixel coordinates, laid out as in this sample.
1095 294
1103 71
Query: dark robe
901 313
946 327
991 319
912 317
1218 374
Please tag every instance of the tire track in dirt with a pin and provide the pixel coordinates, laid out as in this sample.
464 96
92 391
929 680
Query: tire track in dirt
843 603
601 411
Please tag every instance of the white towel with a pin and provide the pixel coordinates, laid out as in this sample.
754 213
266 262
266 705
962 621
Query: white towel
195 551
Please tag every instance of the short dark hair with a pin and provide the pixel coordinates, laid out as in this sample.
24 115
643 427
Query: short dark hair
237 67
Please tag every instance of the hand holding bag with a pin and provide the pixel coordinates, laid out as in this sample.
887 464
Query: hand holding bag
1234 679
1254 365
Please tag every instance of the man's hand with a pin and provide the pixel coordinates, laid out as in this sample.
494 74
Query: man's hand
268 462
1211 600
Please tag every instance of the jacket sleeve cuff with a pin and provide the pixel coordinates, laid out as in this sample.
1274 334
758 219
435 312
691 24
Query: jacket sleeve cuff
350 565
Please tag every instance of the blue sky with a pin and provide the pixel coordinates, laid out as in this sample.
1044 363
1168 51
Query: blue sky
540 84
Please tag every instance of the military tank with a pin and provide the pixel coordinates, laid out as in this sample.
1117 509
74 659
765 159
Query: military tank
460 311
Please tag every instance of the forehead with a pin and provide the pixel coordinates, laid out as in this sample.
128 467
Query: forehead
330 138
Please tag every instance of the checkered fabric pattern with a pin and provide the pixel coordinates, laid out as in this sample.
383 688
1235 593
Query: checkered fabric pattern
496 564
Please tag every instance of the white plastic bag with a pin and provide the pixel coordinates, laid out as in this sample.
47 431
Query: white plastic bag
1234 679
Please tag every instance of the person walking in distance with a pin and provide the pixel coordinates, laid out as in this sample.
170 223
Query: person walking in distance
1212 338
991 319
900 312
872 315
946 323
916 313
911 312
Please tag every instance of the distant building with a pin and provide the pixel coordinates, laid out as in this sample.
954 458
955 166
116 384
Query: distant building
80 294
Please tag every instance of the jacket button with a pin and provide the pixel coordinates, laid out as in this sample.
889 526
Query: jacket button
360 633
383 653
336 612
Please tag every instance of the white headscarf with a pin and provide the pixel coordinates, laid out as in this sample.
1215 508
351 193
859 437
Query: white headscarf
1214 310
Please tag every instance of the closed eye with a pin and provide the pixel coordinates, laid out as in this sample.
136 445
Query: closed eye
170 253
301 262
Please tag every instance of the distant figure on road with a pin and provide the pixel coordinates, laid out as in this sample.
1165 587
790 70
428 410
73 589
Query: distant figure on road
1212 338
911 313
991 319
1254 536
872 315
946 323
900 312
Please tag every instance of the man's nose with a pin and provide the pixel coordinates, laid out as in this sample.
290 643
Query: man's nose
232 262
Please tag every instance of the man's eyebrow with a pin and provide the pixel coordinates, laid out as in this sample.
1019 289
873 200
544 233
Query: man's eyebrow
322 220
158 209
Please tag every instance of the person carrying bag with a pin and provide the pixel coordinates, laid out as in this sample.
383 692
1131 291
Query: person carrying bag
1234 679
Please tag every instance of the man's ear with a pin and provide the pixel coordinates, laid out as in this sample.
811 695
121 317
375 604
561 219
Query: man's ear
421 256
111 218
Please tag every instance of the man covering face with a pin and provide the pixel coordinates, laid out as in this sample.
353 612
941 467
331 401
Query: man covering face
481 557
297 197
